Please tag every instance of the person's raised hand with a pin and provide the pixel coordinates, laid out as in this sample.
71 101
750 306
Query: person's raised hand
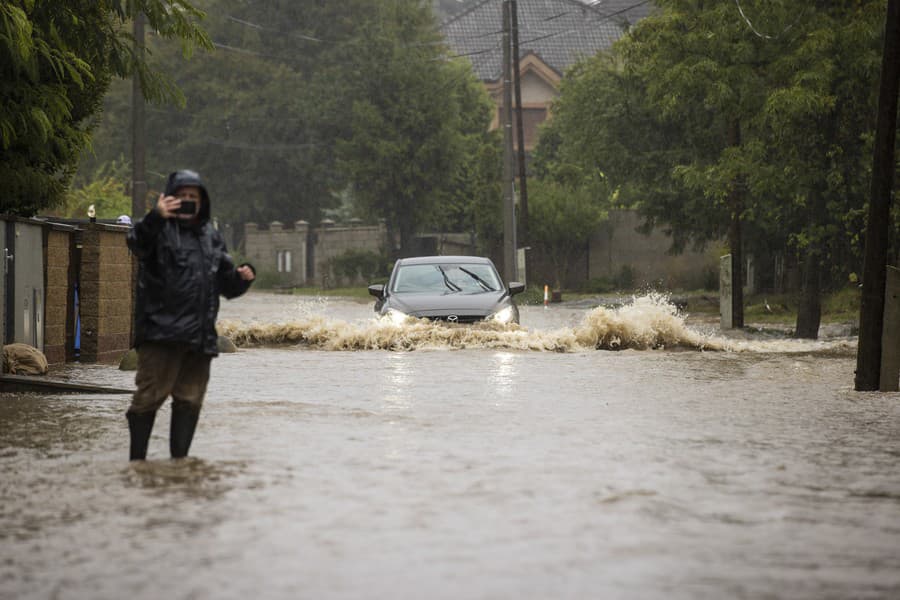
246 273
167 205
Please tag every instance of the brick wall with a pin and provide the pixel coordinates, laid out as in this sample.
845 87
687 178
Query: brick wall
106 293
58 319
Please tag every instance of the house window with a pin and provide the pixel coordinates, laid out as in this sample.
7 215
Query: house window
283 260
532 118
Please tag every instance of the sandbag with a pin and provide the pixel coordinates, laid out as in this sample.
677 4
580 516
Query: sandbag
225 345
129 361
22 359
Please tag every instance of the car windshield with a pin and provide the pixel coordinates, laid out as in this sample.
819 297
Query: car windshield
446 278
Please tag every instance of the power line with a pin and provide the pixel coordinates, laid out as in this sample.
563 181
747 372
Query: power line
237 118
763 35
257 147
308 38
319 40
240 50
473 53
479 52
598 19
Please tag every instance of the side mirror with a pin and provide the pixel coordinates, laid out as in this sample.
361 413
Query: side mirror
516 288
377 290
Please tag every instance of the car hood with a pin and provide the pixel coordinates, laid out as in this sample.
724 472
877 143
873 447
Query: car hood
435 304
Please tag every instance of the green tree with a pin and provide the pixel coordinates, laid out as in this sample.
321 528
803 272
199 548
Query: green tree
56 61
104 190
562 220
475 180
716 122
814 150
408 134
269 115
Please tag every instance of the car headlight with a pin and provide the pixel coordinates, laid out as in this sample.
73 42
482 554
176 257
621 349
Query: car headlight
396 317
504 315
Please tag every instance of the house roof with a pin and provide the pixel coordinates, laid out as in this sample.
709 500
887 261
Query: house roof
624 12
560 32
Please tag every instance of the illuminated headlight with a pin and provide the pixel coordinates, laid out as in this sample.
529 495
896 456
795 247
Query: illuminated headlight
396 317
504 315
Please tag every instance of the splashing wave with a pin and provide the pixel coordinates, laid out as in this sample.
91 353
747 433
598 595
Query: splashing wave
648 322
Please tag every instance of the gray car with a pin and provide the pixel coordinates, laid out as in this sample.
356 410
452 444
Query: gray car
455 289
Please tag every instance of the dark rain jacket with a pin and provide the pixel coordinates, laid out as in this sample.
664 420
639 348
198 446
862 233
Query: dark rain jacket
183 269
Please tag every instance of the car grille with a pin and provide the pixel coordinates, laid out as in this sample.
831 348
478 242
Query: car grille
459 319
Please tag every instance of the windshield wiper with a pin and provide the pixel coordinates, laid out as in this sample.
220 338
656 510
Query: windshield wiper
480 281
452 286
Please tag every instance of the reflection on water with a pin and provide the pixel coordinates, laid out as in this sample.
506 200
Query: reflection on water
502 375
475 469
397 384
187 478
51 426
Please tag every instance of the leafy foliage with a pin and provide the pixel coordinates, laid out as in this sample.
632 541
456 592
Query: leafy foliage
56 61
703 116
312 108
104 189
562 220
353 265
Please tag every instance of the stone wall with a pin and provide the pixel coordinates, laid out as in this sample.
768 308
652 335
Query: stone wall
106 293
332 241
618 245
448 244
278 253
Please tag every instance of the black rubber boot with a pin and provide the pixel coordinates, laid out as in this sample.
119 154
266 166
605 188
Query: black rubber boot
184 422
140 425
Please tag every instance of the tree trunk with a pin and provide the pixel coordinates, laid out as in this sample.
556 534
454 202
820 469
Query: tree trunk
809 313
735 238
407 234
392 250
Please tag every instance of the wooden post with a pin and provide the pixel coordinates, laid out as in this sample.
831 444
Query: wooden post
890 335
509 199
871 309
522 215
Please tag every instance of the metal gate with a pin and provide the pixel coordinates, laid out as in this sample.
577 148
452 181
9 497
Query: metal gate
24 283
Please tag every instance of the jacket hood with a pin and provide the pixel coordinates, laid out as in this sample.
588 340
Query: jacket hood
184 178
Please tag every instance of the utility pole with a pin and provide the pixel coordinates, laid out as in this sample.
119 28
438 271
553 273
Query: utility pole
871 310
735 241
138 129
522 220
509 199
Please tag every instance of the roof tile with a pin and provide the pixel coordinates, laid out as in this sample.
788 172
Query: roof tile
560 32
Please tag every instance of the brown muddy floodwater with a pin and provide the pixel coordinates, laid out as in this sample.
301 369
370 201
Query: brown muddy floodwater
341 458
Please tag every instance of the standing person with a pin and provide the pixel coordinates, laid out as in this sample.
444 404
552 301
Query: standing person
184 266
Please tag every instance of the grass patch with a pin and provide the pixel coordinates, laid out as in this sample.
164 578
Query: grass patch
841 306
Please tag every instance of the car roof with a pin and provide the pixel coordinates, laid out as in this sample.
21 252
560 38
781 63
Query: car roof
428 260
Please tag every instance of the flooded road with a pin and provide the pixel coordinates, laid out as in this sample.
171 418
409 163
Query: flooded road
501 465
